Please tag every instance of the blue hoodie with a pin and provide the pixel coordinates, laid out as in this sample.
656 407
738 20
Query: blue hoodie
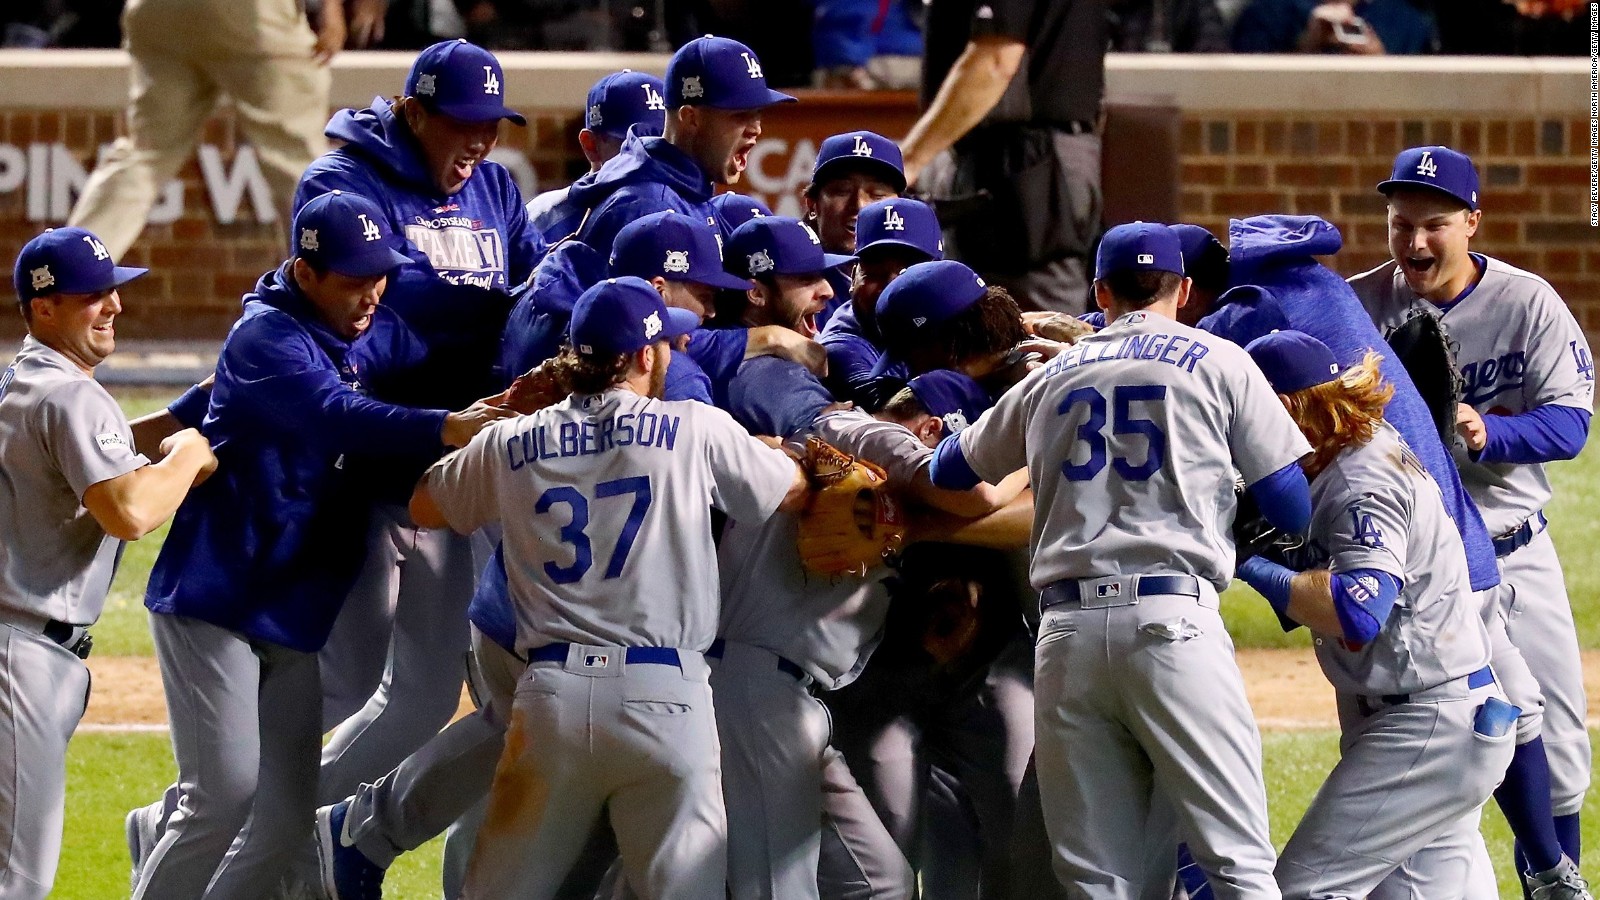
270 544
648 176
853 352
1279 284
469 249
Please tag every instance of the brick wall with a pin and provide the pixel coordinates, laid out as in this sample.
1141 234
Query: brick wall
1534 174
1535 197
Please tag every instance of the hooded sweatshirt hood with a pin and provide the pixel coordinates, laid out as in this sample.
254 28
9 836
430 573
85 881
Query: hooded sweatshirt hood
649 175
377 134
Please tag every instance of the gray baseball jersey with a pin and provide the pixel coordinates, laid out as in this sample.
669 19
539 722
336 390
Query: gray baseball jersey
1376 507
1131 437
60 433
1518 347
599 496
827 626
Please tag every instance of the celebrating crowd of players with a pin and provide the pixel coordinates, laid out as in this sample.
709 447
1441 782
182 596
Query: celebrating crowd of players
1036 698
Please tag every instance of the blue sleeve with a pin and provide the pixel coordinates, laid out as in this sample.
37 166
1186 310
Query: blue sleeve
841 32
949 468
775 397
491 608
288 383
1096 318
1285 498
1272 581
1362 599
719 351
851 359
190 407
686 380
524 246
1544 434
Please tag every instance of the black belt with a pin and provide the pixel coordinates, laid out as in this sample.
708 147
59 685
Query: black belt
1481 678
719 645
1086 591
62 632
1521 536
659 656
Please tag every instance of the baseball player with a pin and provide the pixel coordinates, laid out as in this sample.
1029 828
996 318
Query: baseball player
1131 437
1427 732
259 558
1529 384
892 235
423 160
716 93
792 801
73 487
777 254
735 209
602 499
619 103
852 171
930 317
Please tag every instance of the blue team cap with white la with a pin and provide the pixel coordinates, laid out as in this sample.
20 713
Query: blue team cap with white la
862 151
1293 360
1440 168
461 80
952 396
346 233
673 246
68 261
624 100
737 209
621 315
899 222
778 245
720 73
1138 247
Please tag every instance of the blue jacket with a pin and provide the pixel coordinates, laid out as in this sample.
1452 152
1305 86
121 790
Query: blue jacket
648 176
468 250
852 32
852 355
270 544
1279 284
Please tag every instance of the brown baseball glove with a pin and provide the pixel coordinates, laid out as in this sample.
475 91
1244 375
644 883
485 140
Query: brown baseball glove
850 522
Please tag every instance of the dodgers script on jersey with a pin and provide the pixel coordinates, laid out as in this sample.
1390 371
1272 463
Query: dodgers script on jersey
1146 401
1376 507
1518 348
60 433
598 497
827 626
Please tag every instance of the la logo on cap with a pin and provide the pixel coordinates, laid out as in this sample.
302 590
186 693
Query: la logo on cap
811 234
677 261
892 220
491 84
1146 259
1427 166
861 148
369 228
652 98
752 65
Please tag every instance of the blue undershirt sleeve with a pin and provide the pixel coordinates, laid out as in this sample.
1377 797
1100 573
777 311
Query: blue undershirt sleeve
1539 435
1285 498
949 468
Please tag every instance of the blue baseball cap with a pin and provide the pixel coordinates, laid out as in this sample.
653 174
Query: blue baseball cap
737 209
674 246
952 396
1293 360
719 73
624 100
68 261
461 80
346 233
778 245
927 294
899 222
864 150
621 315
1448 171
1138 247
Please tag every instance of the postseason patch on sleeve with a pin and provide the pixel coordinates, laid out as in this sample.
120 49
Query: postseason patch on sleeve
111 440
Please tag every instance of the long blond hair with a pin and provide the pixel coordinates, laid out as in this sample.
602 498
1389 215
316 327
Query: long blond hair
1343 412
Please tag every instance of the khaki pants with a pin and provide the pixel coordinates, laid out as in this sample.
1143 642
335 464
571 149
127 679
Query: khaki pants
186 56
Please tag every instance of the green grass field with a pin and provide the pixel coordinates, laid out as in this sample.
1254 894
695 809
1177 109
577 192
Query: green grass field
108 774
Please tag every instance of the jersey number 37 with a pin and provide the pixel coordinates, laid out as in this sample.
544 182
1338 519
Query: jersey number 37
1127 429
574 531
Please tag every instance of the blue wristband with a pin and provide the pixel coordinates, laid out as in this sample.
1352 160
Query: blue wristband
1273 582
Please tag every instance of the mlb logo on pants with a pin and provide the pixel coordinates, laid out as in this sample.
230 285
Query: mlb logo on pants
596 660
1114 589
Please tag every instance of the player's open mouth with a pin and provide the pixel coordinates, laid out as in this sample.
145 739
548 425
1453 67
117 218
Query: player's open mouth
808 324
105 328
1419 263
741 157
464 167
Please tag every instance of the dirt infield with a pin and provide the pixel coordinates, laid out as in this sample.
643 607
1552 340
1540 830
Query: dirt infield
1286 688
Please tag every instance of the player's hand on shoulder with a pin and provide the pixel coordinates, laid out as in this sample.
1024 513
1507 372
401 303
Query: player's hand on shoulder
1469 424
530 392
1056 326
191 441
785 343
460 427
